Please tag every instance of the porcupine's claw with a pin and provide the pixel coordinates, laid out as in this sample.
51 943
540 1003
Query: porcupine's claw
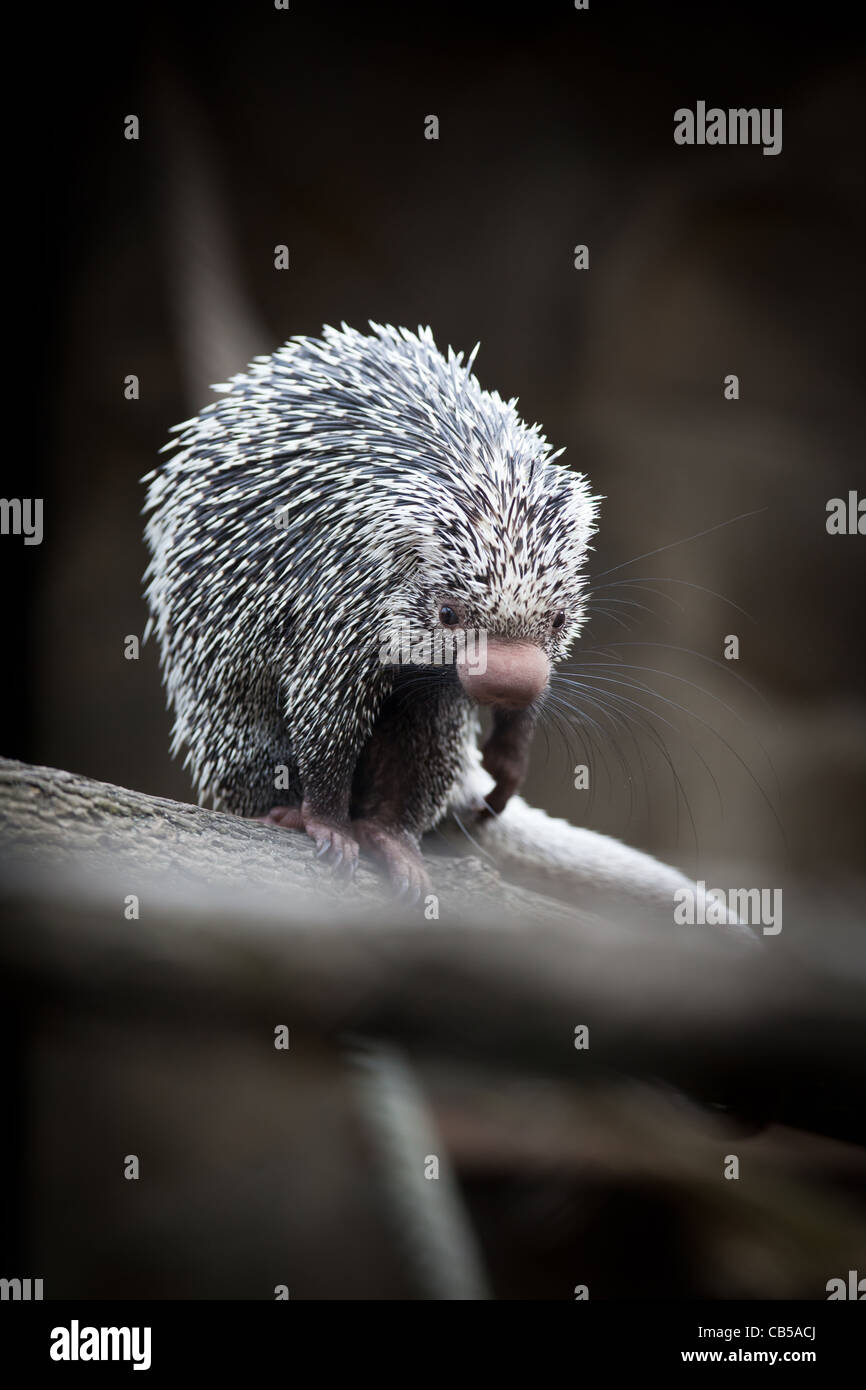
334 843
398 853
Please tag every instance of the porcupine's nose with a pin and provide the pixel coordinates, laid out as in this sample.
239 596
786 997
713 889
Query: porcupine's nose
515 674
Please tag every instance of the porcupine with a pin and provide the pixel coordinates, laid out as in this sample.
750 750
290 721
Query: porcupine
341 489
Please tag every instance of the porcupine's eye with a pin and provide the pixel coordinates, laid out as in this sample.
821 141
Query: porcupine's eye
558 620
448 616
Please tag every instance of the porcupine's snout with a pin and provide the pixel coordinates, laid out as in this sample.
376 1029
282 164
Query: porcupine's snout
516 673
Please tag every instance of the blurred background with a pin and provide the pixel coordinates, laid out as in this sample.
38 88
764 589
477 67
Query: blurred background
156 258
306 128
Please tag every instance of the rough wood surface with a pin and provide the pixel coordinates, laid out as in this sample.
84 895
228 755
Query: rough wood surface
239 918
67 820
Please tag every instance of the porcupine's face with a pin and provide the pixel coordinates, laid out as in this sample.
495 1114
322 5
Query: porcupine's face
504 573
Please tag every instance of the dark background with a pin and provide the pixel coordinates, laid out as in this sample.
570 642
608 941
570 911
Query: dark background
306 127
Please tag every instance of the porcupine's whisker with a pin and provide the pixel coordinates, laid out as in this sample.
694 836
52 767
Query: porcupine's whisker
615 618
628 722
545 722
680 789
414 684
607 603
605 609
619 667
645 584
543 726
425 680
743 516
550 712
606 739
653 714
645 581
726 743
600 603
629 621
566 714
639 686
551 709
470 838
635 584
684 651
566 728
604 667
563 705
609 739
659 742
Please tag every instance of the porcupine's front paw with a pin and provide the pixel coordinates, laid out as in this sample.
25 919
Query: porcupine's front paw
333 839
398 852
507 765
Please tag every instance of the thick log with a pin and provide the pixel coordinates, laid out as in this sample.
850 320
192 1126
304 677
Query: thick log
237 917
